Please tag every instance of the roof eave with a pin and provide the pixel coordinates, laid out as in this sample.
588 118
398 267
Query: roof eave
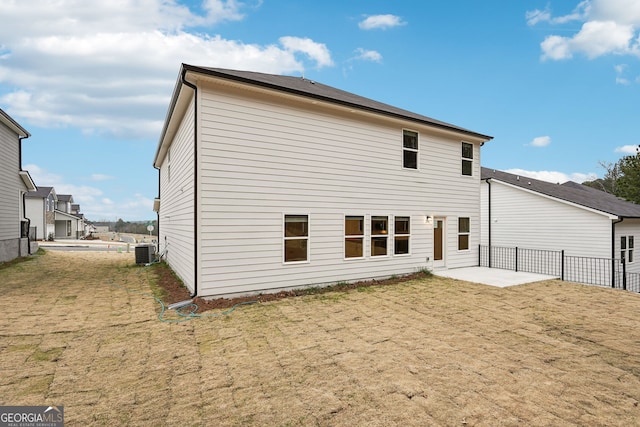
214 73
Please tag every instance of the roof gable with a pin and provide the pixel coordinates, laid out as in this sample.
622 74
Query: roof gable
570 192
40 193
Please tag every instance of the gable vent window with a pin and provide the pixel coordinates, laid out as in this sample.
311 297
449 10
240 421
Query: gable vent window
409 149
467 159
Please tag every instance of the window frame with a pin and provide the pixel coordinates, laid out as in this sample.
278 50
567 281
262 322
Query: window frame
402 235
286 238
406 149
462 233
384 234
464 159
627 246
362 236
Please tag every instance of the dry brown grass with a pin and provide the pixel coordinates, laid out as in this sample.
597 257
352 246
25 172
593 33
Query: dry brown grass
430 352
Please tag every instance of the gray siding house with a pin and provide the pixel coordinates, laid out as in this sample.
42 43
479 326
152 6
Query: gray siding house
14 184
271 182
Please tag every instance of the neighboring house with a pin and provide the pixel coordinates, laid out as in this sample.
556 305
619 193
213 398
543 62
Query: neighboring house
14 184
523 212
68 224
268 182
41 207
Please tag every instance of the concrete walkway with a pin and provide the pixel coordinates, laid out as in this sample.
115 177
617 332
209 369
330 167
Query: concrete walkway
492 276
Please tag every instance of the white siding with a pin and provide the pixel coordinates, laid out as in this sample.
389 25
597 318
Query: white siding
533 221
176 214
261 159
10 184
35 212
629 227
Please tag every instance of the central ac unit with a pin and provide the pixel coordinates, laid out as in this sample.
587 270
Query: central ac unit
145 254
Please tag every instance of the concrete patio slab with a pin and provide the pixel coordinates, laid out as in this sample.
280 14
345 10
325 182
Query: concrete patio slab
492 276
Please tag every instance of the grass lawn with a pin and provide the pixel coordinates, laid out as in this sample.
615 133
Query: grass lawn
81 329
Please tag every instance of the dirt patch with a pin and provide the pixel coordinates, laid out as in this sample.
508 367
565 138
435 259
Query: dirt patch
82 330
172 290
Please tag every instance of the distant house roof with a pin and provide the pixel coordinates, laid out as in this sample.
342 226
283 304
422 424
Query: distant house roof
13 125
65 198
311 89
40 193
571 192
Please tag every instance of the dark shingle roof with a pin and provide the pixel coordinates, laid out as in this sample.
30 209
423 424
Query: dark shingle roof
571 192
65 197
312 89
41 193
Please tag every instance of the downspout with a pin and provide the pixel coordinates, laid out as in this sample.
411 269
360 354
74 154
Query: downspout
613 251
195 182
24 199
488 181
158 217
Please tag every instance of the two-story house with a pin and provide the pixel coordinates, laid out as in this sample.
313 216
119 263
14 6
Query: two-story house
270 182
14 184
69 225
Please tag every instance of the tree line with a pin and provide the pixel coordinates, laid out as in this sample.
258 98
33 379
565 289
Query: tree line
621 179
135 227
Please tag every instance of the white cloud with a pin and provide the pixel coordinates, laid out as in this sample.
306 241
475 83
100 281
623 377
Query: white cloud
627 149
368 55
540 141
620 71
381 22
316 51
579 13
554 176
111 66
609 27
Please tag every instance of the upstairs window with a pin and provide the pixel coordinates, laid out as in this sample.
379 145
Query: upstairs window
354 237
409 149
402 233
464 229
296 238
467 159
379 235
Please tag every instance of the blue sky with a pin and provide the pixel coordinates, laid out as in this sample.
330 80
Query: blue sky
556 82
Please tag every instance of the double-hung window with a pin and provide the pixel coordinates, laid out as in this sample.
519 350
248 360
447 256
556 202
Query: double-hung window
464 229
296 238
379 235
409 149
353 236
402 232
467 159
626 248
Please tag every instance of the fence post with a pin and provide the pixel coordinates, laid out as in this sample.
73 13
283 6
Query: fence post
479 255
562 265
613 272
516 258
624 274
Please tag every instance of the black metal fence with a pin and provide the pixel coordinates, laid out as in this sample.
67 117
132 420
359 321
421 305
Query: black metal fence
589 270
